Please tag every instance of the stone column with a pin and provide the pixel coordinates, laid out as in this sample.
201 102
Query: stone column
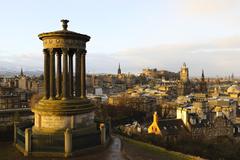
52 75
15 132
28 134
65 73
59 75
46 73
83 75
68 142
70 74
72 121
77 73
103 133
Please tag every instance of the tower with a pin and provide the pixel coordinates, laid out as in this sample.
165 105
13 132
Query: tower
203 77
203 84
184 75
119 69
21 73
184 85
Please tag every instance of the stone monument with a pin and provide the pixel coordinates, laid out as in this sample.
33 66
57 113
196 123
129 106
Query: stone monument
64 118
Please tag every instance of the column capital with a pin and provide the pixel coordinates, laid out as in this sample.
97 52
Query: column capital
51 51
65 50
58 53
81 51
45 51
70 53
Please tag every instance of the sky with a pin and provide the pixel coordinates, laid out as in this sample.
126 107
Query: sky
137 34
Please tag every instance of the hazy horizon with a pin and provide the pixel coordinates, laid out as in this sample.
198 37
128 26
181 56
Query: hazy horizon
138 34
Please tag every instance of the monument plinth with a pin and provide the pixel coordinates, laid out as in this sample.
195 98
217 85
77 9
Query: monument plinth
64 118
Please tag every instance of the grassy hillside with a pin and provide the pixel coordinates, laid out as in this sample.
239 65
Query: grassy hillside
140 151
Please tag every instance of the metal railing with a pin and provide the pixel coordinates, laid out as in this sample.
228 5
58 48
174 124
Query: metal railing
83 141
56 143
20 137
52 143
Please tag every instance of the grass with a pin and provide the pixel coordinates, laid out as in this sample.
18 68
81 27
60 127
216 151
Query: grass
159 152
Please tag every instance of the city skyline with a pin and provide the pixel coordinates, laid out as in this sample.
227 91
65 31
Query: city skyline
137 34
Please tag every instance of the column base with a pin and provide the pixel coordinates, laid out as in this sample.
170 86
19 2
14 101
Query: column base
45 98
64 98
66 155
52 98
58 96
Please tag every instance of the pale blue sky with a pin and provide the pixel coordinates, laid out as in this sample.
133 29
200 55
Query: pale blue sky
137 33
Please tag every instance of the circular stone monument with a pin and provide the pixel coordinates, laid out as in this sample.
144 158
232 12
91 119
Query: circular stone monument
64 122
64 104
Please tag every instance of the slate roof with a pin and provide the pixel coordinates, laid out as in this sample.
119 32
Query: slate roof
171 127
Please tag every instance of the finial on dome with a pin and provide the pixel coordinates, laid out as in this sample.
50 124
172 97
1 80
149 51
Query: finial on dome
64 24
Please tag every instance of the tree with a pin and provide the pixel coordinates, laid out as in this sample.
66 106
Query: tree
165 109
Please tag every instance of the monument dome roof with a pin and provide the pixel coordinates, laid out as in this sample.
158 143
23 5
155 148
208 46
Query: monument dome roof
64 33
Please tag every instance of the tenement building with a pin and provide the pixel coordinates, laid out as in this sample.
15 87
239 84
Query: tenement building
208 120
64 122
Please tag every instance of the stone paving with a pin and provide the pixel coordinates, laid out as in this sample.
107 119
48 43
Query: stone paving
113 152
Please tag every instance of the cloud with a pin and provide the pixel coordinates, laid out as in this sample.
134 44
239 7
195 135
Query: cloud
206 7
216 57
27 61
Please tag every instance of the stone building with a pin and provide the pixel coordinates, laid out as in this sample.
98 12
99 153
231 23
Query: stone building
233 91
162 74
169 129
13 108
32 84
205 129
184 85
136 101
110 83
24 81
205 121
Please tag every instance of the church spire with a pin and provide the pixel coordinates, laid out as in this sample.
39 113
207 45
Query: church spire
203 84
203 77
21 74
119 69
